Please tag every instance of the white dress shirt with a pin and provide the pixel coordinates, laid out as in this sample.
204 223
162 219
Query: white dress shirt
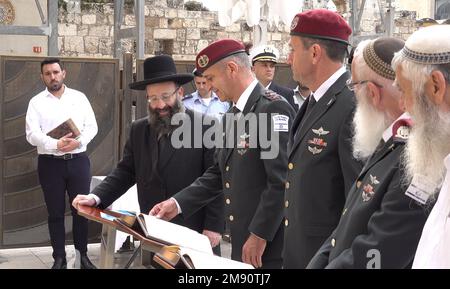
433 250
46 111
323 88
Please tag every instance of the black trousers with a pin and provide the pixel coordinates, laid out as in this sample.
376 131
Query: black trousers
58 176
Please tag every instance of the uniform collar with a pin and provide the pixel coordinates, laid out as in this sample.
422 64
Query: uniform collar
242 101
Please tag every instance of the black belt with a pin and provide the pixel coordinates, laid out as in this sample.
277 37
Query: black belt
63 157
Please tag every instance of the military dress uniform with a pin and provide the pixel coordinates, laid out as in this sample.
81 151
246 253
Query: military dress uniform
380 226
321 169
252 187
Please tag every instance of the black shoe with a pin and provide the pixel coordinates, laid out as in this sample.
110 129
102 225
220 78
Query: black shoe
60 263
85 263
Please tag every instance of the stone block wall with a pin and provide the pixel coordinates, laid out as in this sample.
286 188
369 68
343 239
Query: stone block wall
169 28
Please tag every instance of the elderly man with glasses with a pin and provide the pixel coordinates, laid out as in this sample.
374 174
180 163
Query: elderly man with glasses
151 160
380 225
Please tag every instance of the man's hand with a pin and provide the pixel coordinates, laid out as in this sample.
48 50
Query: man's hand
69 144
253 249
64 141
166 210
214 237
83 200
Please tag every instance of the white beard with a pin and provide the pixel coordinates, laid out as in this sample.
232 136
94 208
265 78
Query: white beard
428 143
369 125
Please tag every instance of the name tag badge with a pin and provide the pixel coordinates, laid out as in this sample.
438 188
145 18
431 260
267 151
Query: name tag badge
420 189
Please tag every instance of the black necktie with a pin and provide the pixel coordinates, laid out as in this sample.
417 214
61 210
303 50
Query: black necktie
311 103
235 110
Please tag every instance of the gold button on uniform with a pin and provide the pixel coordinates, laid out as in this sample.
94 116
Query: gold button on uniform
290 166
227 168
333 242
286 203
227 201
287 185
227 185
231 218
358 184
286 222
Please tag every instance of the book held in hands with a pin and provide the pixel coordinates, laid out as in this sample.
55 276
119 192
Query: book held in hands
63 129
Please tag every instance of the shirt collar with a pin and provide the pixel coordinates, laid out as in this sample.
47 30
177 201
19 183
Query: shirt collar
242 101
267 87
196 96
447 162
387 134
328 83
48 93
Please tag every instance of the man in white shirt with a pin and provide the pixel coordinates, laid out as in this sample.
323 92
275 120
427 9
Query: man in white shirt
62 163
423 75
204 100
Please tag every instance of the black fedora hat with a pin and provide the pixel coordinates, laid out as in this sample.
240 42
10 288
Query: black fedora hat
160 68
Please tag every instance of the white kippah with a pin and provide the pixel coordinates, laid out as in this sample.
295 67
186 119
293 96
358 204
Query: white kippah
429 45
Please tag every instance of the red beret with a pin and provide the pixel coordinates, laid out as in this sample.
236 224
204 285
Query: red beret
322 24
216 51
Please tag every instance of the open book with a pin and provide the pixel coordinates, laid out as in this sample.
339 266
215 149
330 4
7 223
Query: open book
64 128
185 248
185 258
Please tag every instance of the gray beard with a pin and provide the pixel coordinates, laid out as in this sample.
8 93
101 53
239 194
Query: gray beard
428 143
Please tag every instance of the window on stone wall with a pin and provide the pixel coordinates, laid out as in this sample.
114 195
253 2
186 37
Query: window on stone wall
164 46
442 9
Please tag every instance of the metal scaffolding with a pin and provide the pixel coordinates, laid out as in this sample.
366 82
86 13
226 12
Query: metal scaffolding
386 13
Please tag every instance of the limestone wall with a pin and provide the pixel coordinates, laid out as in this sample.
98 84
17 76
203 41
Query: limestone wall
89 32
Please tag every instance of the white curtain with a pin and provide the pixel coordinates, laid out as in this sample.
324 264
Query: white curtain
273 11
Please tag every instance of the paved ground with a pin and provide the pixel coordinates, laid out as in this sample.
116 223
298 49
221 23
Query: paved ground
41 257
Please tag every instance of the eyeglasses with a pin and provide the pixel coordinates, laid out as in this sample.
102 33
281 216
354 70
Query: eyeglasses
351 85
165 97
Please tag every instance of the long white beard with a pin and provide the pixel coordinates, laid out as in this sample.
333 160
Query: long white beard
369 125
428 143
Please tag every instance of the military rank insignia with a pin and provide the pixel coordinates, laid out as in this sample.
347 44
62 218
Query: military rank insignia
368 190
243 144
317 144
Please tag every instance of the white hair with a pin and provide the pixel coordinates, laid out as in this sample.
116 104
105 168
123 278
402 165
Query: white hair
428 143
369 123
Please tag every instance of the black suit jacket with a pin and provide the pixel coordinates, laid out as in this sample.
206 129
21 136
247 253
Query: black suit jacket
377 215
157 178
253 187
321 171
285 92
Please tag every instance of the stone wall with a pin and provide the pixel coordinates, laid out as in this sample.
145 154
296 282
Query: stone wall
89 32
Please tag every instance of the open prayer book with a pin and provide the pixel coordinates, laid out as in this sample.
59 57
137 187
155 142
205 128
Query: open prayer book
184 248
186 258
